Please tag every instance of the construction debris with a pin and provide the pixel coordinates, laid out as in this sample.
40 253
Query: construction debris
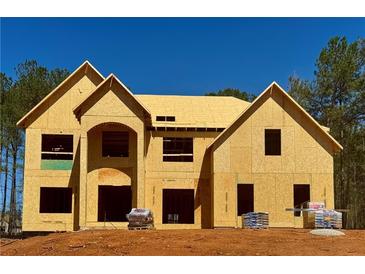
255 220
140 218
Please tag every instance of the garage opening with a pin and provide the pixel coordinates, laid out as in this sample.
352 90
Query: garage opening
114 203
178 206
245 199
301 195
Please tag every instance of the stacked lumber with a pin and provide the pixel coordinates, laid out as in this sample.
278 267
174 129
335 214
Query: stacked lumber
255 220
140 218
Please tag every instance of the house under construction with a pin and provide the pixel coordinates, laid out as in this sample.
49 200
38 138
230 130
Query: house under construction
94 150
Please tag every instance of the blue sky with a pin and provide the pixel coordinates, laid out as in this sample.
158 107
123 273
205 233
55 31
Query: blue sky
177 55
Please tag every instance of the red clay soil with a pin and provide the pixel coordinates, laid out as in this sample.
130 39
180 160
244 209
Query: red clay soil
188 242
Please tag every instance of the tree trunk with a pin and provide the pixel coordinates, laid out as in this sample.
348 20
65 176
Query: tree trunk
13 213
5 183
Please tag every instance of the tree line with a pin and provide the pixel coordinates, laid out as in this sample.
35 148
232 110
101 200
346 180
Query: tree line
33 82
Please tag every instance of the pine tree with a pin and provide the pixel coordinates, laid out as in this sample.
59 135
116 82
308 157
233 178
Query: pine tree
336 98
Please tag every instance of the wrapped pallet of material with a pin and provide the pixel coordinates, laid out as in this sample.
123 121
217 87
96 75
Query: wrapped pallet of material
255 220
140 218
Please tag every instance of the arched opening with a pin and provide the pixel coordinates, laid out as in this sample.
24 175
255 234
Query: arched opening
111 172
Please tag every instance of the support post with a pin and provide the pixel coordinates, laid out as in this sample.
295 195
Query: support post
83 179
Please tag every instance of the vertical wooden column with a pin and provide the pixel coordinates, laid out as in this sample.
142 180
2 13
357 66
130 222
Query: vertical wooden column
140 170
83 179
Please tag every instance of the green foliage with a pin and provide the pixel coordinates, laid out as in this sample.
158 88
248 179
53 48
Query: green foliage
33 83
243 95
336 98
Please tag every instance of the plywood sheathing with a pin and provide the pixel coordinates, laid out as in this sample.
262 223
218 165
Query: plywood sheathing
306 158
54 116
193 111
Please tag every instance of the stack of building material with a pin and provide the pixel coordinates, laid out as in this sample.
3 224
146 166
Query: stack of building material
318 219
140 218
255 220
327 219
336 221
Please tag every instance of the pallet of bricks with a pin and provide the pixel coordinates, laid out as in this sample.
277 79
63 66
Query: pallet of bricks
255 220
320 217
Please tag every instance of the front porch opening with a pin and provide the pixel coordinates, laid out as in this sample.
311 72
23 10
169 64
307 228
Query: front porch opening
178 206
114 203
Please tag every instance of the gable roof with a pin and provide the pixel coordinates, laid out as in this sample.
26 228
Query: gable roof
108 81
193 111
79 72
282 91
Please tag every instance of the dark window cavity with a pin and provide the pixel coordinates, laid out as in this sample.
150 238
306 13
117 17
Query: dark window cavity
161 118
177 149
170 118
115 144
301 196
55 200
272 142
165 118
245 199
57 147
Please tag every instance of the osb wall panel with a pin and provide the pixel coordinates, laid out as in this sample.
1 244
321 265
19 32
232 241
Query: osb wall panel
306 158
199 168
55 117
222 158
58 114
284 198
35 221
33 149
323 189
112 104
225 205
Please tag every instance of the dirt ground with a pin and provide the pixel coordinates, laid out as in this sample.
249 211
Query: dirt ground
188 242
